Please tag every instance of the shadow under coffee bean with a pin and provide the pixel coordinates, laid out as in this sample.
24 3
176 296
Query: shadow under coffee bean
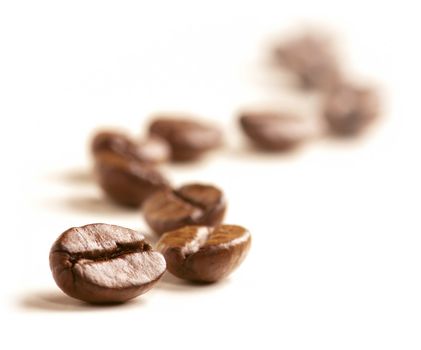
102 263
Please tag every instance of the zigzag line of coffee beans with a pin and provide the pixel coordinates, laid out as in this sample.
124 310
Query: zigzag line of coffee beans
101 263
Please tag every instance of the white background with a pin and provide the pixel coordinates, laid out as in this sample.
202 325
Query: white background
335 261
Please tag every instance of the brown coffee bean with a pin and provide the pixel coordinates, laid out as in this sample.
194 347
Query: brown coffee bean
107 140
311 59
349 110
127 182
276 131
193 204
152 150
102 263
189 139
204 254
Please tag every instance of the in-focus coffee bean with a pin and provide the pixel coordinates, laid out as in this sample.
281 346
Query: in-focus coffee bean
204 254
349 109
193 204
189 139
311 59
276 131
101 263
127 182
152 150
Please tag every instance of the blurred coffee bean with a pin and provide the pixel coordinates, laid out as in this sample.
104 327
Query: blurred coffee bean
152 150
107 140
311 59
204 254
349 109
275 131
127 182
102 263
193 204
189 139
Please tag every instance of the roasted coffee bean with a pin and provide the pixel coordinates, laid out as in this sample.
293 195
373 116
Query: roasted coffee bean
349 110
113 141
276 131
152 150
312 59
193 204
189 139
127 182
204 254
102 263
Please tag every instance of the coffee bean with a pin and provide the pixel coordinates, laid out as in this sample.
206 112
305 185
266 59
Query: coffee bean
102 263
193 204
189 139
113 141
311 59
127 182
276 131
152 150
204 254
349 109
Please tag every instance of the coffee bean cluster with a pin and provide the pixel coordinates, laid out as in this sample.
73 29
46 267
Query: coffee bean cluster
348 108
101 263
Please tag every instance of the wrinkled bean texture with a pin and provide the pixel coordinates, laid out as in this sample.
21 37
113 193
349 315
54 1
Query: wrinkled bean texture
101 263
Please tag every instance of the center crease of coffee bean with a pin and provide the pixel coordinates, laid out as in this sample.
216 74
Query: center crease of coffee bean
109 254
190 201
